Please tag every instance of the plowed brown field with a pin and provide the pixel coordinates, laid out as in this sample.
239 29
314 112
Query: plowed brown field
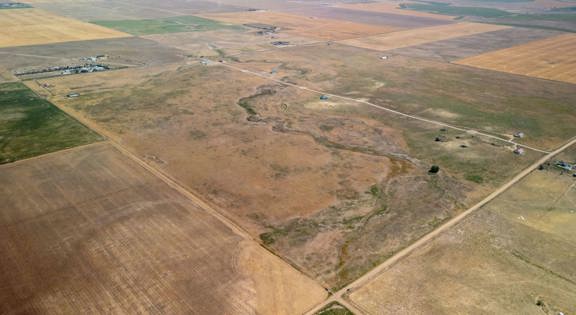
35 27
88 231
420 36
551 58
391 8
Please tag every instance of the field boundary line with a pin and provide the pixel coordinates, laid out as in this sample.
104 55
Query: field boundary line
185 191
393 111
343 293
47 154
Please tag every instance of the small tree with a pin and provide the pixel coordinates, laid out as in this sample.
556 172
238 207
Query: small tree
434 169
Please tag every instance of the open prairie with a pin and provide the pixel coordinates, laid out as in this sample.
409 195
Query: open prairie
34 27
90 231
420 36
497 103
550 58
333 186
514 256
303 26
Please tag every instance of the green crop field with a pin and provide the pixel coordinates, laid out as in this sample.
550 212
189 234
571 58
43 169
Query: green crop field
30 125
177 24
447 9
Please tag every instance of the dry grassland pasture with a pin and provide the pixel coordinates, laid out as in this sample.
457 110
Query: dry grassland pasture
497 103
333 186
420 36
318 28
390 8
514 256
88 231
552 59
35 27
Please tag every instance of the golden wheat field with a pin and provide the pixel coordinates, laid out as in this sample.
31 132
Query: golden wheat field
420 36
551 58
35 27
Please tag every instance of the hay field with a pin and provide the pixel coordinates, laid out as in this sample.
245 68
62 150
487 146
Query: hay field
318 28
514 256
37 27
420 36
89 231
390 8
551 58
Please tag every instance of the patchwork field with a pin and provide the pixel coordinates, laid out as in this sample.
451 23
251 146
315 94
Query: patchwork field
453 49
390 8
551 58
420 36
175 24
333 186
34 27
514 256
493 102
30 126
89 231
297 25
367 17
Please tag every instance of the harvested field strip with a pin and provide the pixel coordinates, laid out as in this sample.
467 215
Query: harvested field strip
36 27
551 58
318 28
421 36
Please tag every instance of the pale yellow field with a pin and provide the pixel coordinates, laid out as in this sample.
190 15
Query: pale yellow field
420 36
551 58
35 27
391 8
304 26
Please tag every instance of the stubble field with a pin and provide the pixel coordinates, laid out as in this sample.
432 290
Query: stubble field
33 27
552 58
420 36
89 231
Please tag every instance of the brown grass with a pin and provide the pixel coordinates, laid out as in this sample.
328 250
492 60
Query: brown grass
420 36
89 231
551 58
516 251
35 27
318 28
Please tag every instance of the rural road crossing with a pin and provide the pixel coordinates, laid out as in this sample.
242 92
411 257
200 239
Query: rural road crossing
340 295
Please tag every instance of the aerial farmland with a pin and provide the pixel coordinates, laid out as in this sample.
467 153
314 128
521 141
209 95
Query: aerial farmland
283 157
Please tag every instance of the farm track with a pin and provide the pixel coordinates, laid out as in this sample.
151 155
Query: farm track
393 111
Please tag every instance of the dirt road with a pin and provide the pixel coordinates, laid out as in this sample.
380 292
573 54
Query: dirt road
340 296
435 122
